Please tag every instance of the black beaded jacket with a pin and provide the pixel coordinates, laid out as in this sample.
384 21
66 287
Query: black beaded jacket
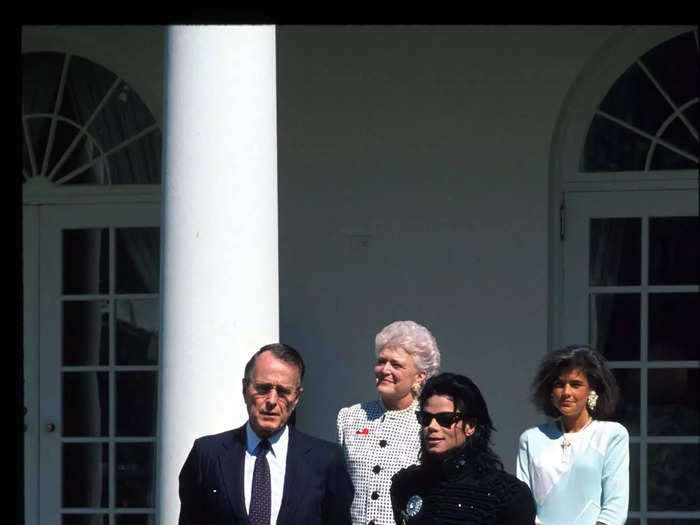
464 489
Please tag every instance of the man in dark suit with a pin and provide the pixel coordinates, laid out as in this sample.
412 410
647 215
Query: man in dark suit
266 472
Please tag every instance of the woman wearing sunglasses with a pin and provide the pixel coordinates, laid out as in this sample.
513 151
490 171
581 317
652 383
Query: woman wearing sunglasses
460 479
576 465
381 437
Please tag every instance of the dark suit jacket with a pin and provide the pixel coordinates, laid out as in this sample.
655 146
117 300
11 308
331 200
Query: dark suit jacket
317 487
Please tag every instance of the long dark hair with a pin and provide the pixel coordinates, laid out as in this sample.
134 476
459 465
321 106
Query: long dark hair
594 367
468 400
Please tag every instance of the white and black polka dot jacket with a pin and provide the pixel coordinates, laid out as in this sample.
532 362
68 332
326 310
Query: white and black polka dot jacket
377 443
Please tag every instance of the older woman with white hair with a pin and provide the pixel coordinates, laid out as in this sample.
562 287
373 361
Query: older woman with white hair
381 437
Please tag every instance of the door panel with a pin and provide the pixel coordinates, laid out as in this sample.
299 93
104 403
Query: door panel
98 362
631 276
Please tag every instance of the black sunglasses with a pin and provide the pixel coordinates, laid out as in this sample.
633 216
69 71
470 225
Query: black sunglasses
444 419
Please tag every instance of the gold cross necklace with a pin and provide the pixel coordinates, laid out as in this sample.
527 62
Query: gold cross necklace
566 442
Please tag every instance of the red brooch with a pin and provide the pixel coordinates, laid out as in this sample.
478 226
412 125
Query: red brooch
363 431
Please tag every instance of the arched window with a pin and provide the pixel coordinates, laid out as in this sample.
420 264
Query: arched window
82 124
649 119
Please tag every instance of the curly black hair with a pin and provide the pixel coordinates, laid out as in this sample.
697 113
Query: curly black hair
468 400
594 367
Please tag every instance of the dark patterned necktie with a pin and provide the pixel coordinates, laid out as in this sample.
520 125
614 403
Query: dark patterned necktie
259 513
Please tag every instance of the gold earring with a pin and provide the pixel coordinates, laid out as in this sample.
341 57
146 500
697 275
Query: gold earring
592 400
415 389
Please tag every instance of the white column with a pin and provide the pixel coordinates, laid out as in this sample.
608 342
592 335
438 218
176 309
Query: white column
219 275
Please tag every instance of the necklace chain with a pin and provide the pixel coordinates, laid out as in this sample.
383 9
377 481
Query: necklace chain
566 442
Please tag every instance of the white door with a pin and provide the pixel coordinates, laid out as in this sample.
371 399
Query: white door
92 374
631 275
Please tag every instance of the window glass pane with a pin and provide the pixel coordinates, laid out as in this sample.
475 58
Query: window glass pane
85 404
135 519
85 519
692 113
668 63
41 74
627 411
137 332
679 135
634 477
673 326
666 159
612 147
65 134
86 86
136 403
85 475
135 475
85 261
615 252
38 129
138 260
123 116
85 333
635 100
26 162
673 477
674 404
138 162
674 250
614 325
78 167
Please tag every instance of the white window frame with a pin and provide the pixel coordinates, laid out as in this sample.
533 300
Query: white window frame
38 192
606 65
623 48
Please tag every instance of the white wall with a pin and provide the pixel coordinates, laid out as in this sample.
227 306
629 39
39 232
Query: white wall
434 142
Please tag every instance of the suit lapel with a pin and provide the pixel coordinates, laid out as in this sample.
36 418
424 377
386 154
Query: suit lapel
232 463
294 480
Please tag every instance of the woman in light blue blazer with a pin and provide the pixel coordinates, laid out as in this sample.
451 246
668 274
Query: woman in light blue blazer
577 465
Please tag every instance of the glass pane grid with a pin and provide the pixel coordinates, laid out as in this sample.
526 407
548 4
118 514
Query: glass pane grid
128 456
662 410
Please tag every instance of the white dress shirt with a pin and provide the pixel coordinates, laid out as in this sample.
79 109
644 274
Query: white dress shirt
276 459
